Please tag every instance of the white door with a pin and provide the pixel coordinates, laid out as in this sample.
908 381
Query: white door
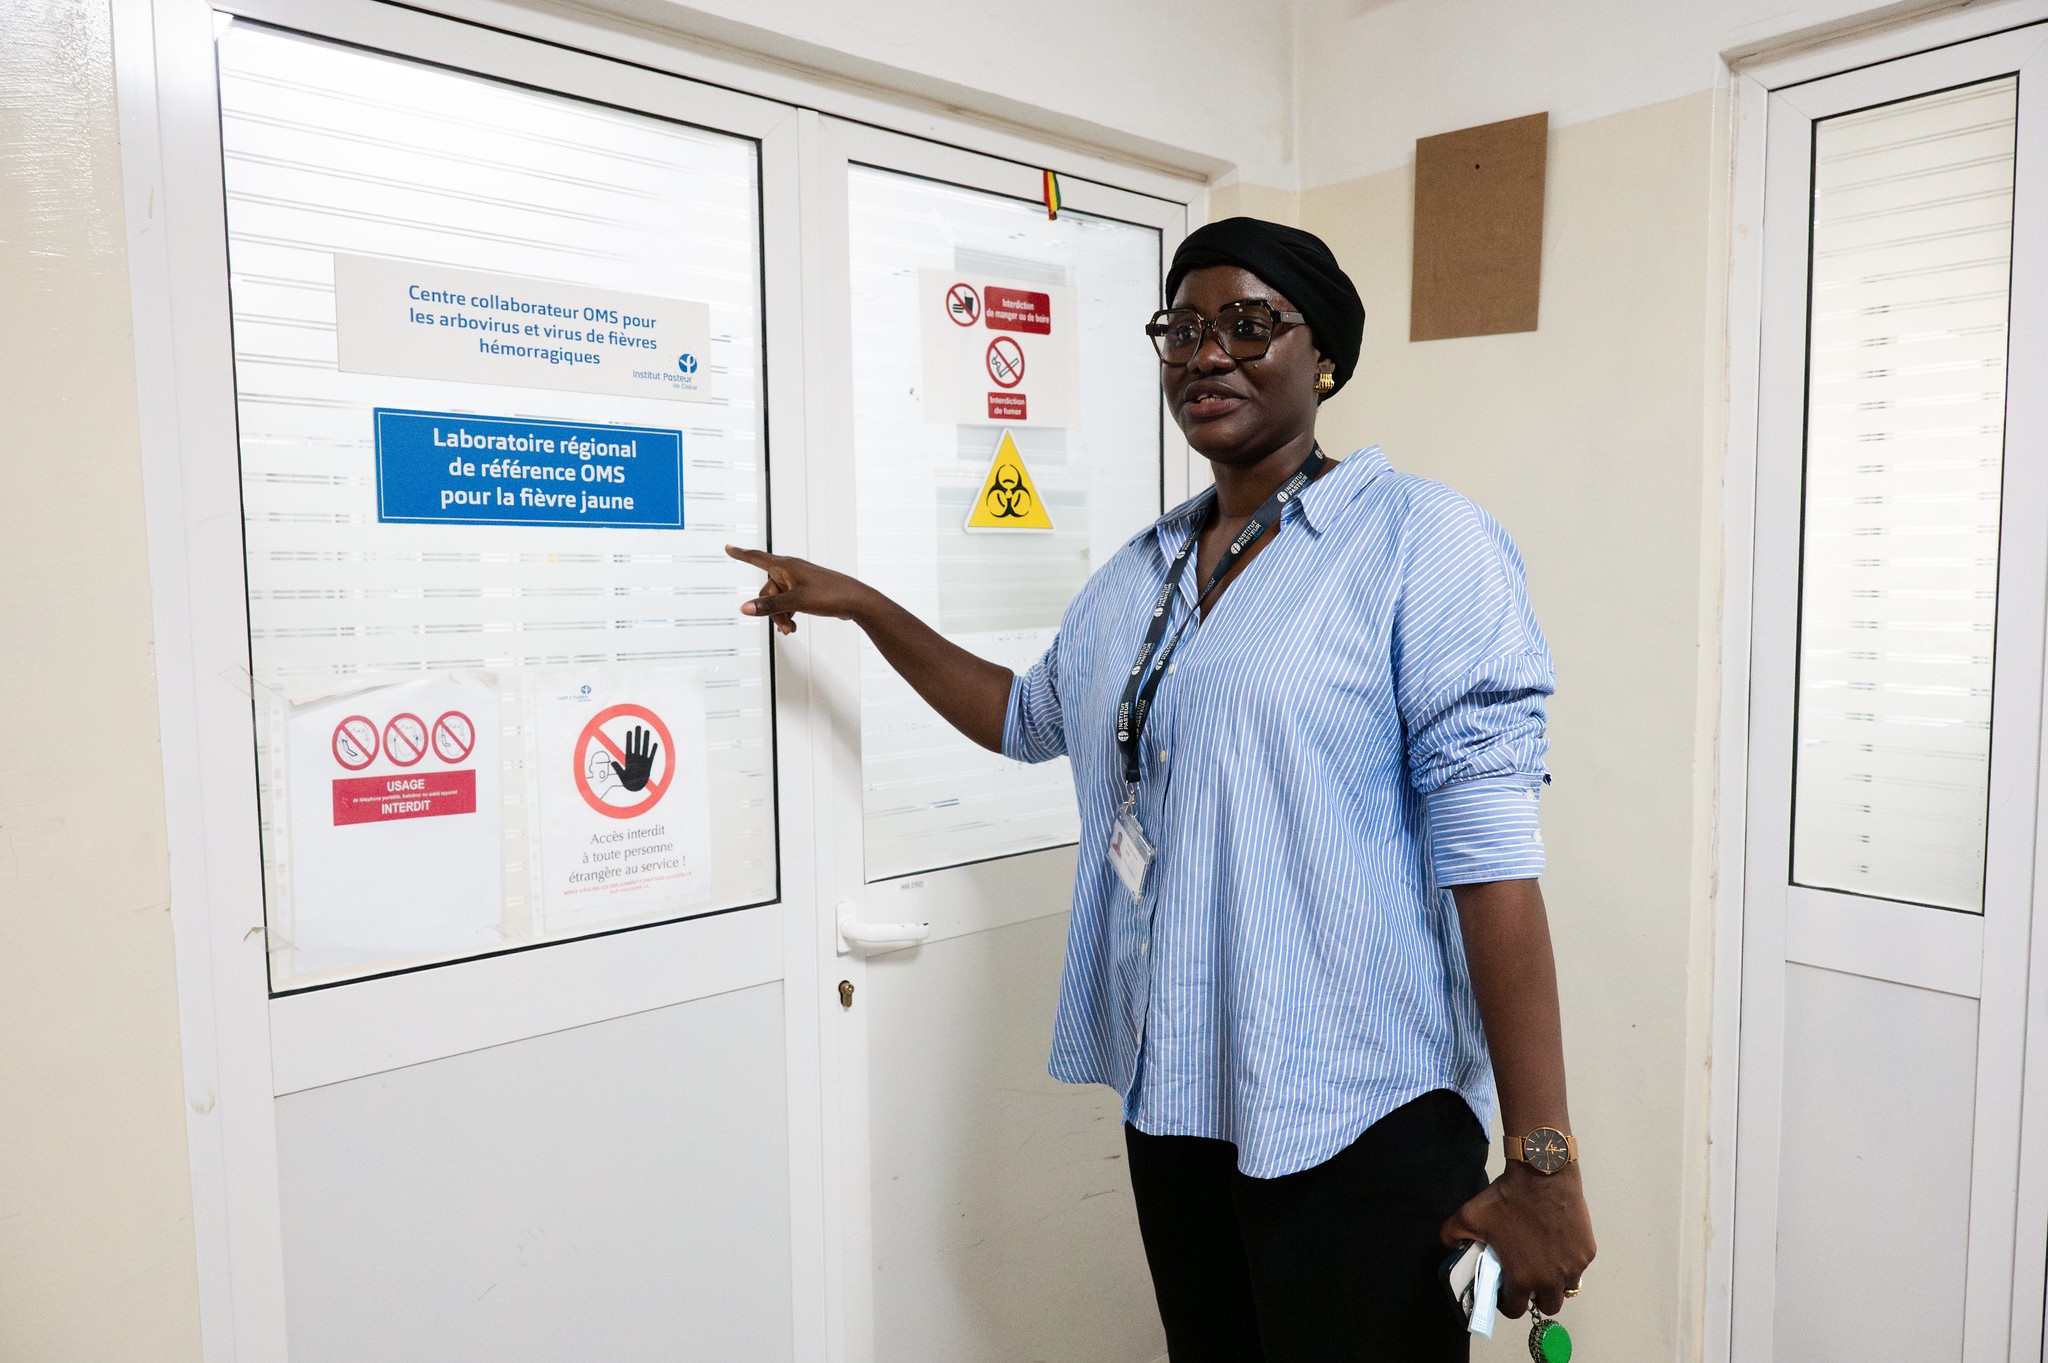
509 860
493 816
1888 1203
1005 437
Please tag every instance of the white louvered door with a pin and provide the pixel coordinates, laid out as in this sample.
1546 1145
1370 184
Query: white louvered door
1886 1204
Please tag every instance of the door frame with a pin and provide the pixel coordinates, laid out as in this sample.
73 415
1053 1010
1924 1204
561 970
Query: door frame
1751 939
242 1049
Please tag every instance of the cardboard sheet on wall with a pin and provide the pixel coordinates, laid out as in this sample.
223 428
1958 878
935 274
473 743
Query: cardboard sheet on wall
1478 230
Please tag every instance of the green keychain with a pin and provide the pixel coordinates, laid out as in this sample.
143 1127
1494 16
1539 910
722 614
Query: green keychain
1548 1340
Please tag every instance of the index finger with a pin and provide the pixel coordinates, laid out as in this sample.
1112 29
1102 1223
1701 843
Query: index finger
760 558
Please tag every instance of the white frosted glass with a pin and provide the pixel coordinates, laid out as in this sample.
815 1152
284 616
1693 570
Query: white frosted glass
930 797
1912 244
332 150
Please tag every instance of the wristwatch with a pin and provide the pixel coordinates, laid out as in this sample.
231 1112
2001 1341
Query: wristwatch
1545 1150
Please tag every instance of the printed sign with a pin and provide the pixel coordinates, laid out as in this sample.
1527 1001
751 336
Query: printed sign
1018 310
392 827
454 736
998 351
1005 361
627 778
963 305
623 796
443 468
416 320
1009 500
405 740
375 799
355 742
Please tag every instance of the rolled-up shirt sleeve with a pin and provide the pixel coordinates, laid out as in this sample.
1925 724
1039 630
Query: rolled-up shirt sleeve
1471 676
1035 728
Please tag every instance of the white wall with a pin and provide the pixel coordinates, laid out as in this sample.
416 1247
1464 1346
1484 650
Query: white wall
1376 76
1143 68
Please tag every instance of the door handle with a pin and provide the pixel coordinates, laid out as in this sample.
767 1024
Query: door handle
867 938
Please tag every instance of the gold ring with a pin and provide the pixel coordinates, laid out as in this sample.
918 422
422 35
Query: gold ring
1575 1289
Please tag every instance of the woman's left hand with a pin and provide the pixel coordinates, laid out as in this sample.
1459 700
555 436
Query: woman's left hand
1540 1229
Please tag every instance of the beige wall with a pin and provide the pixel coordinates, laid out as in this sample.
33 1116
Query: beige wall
1591 440
96 1246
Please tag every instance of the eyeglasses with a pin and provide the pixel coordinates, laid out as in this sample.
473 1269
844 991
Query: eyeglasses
1245 330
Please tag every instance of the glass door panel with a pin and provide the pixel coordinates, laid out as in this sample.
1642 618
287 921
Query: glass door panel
1006 441
1912 216
499 381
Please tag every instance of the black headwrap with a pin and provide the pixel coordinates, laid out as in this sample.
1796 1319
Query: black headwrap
1295 262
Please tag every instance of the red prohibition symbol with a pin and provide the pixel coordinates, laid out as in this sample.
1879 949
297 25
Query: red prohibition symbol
963 305
405 740
453 737
355 742
593 732
1006 362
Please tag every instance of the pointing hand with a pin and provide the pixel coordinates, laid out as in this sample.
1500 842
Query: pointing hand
796 587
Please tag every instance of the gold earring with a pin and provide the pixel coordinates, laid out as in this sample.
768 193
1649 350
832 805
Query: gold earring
1326 384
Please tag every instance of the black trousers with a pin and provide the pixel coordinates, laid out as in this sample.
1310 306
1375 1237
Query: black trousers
1331 1264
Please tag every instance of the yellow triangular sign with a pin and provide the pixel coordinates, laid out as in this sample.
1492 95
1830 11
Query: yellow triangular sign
1009 500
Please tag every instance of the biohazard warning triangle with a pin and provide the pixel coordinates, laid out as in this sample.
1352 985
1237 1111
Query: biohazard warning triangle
1009 500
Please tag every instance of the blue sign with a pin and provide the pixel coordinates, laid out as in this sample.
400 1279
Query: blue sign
445 468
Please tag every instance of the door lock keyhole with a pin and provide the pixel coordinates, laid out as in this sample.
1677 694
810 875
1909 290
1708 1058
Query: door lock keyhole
846 993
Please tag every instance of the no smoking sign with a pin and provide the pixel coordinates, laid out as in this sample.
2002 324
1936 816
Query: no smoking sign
1005 362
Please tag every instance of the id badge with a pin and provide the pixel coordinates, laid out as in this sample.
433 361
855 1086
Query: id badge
1130 852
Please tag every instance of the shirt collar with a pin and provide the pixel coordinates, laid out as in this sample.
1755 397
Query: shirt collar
1316 504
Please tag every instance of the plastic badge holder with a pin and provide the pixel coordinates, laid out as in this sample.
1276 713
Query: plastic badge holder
1484 1297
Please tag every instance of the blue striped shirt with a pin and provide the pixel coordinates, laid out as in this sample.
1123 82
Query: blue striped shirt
1357 726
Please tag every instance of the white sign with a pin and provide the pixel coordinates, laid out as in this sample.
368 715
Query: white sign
998 352
623 794
424 321
393 814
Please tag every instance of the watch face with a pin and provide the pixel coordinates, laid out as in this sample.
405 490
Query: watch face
1545 1150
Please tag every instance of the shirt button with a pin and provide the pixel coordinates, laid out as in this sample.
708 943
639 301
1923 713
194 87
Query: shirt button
1162 754
1170 667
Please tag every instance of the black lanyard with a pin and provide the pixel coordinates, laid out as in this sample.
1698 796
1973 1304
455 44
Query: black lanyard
1143 683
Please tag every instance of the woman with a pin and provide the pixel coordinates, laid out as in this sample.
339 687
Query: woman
1307 942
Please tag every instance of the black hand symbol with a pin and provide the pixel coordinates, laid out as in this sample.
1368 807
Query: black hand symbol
640 751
